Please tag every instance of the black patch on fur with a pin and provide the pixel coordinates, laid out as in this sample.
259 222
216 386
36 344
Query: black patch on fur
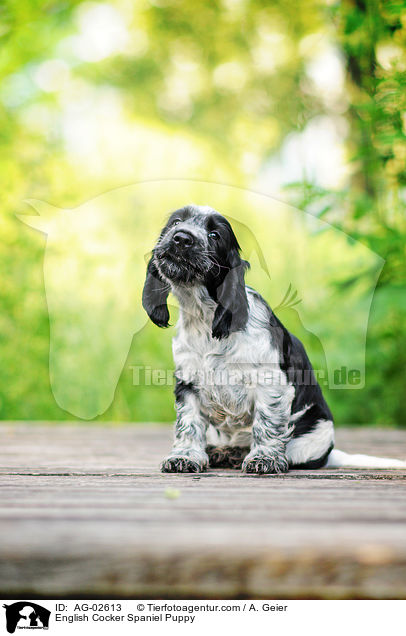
225 281
231 313
182 388
299 372
313 464
154 296
309 420
283 339
295 363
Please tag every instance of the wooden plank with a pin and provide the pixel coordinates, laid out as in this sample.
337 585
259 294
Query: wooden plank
84 511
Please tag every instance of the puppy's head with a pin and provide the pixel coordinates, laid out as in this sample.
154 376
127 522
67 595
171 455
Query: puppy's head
197 246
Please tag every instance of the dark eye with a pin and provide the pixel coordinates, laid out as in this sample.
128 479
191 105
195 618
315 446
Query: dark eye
176 221
214 235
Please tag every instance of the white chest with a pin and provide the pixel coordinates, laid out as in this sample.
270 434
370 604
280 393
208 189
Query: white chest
227 373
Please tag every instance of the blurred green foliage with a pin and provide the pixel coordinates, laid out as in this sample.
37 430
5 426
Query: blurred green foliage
98 95
372 36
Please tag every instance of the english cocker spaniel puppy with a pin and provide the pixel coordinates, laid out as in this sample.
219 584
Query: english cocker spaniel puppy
246 394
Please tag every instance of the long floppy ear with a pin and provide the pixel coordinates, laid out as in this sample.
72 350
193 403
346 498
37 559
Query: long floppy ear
154 296
232 309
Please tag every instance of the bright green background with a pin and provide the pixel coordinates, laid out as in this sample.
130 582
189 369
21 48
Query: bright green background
95 96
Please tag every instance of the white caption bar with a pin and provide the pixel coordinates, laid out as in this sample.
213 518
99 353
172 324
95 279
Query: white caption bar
312 618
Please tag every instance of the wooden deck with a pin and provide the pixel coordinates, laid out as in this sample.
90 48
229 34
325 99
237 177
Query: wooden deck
84 512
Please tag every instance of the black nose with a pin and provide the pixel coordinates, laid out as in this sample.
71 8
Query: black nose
183 239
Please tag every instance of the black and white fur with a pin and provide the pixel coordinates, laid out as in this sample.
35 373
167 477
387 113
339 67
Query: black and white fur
246 394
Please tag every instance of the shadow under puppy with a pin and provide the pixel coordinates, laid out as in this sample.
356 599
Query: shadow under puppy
246 395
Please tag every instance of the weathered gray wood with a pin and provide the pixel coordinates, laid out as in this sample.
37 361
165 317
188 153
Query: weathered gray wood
84 511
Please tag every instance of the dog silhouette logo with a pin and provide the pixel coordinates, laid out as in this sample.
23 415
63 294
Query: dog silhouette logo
26 615
94 269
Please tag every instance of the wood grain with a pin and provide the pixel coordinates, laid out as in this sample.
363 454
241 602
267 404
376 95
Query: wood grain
84 511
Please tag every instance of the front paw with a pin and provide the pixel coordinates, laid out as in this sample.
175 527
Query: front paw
184 464
265 464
